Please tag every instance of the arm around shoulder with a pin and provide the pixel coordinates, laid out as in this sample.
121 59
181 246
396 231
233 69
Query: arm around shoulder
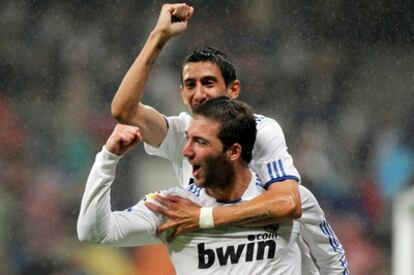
281 202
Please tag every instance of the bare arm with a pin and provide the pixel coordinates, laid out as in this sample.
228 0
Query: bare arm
126 106
282 201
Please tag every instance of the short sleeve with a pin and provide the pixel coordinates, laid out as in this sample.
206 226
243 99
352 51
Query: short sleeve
271 159
174 141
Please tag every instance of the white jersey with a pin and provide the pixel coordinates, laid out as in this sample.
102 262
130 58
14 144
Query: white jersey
271 159
324 247
321 250
225 250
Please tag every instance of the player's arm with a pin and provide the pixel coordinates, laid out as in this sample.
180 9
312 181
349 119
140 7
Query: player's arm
279 203
96 222
274 206
126 105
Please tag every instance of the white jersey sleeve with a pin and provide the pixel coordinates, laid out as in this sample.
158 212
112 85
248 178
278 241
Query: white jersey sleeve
271 159
98 224
322 242
172 146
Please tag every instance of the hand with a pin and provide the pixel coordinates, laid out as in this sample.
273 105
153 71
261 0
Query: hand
174 18
183 215
123 138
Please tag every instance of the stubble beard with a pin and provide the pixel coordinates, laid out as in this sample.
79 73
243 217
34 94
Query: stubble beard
220 173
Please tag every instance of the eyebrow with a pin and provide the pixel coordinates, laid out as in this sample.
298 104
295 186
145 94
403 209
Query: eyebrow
204 78
209 77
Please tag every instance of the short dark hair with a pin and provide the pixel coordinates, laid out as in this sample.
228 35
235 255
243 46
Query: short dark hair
209 54
237 123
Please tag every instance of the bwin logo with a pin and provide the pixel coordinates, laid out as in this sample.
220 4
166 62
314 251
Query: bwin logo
207 256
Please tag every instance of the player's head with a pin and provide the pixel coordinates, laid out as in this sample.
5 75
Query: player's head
207 73
218 58
221 137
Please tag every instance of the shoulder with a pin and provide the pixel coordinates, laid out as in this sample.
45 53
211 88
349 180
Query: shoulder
194 189
174 191
264 122
267 127
179 122
179 191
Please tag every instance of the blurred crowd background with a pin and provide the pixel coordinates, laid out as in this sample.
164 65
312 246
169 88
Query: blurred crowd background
337 76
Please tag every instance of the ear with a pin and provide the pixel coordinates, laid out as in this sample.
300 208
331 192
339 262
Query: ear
234 89
234 152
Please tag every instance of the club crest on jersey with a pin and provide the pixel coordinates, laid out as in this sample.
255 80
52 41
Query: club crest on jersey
150 196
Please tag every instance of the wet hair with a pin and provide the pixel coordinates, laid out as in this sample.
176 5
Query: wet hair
221 60
237 123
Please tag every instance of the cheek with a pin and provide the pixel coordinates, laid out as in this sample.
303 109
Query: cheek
186 97
216 92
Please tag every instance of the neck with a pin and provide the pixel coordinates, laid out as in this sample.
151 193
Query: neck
236 188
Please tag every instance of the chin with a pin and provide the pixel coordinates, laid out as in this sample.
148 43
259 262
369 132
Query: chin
199 182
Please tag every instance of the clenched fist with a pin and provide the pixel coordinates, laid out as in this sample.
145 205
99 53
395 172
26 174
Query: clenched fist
174 18
123 138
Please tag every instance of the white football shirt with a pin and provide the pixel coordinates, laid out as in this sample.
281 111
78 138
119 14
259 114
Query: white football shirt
224 250
321 249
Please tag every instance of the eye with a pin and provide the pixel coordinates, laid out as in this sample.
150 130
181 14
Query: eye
208 83
200 141
189 85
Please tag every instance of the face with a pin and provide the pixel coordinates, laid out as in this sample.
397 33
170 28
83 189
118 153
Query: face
203 81
211 166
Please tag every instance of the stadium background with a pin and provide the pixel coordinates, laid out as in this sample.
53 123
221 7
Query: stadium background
337 75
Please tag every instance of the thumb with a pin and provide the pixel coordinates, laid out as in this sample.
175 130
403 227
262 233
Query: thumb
132 140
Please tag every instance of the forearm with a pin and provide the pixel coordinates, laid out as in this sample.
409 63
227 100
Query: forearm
276 205
95 213
127 98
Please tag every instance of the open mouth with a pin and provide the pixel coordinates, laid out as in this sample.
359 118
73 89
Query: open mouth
196 169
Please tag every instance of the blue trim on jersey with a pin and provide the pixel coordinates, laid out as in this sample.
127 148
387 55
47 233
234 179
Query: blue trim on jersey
337 247
270 171
281 167
166 121
233 201
194 189
270 182
275 169
258 118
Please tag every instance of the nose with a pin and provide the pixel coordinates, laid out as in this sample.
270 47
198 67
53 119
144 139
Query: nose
187 150
200 95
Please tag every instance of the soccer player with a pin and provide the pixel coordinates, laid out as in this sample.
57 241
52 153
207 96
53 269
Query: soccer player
220 140
207 73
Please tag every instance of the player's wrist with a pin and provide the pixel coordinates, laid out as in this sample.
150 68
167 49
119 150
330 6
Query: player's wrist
206 219
161 35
